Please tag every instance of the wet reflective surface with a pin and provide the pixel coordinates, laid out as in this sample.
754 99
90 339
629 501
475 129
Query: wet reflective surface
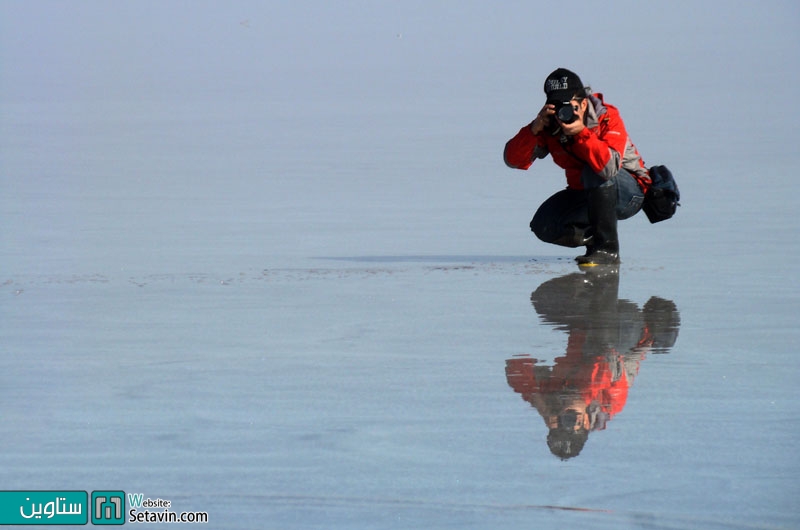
405 395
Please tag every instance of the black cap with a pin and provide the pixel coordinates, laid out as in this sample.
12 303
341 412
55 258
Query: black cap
562 85
566 443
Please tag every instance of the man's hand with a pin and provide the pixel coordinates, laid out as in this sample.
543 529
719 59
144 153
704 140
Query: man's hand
543 119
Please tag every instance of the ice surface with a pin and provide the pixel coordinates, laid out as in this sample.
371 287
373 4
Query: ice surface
266 262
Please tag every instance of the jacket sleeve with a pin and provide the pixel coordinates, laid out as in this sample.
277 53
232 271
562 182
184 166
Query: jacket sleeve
523 149
602 148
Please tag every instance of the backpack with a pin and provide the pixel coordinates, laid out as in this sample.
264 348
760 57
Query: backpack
663 197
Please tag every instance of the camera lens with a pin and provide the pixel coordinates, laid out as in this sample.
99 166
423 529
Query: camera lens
566 114
568 420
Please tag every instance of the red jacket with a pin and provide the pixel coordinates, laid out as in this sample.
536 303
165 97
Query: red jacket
603 145
590 376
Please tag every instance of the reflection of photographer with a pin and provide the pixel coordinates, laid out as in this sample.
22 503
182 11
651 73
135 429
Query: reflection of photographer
608 339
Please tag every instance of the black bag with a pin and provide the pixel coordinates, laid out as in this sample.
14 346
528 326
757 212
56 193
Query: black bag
663 197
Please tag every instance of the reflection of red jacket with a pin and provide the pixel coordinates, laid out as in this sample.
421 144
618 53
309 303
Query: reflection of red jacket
590 376
604 145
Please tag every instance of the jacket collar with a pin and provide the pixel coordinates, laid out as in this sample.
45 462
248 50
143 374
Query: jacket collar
596 109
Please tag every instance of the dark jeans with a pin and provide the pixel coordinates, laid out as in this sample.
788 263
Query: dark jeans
566 213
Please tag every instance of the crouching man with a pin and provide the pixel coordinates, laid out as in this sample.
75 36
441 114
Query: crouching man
606 176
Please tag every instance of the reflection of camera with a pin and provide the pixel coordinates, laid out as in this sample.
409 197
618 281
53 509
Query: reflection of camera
565 112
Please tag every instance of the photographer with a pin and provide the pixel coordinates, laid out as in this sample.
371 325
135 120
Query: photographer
606 176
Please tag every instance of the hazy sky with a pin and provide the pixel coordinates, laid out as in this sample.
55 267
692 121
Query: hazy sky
56 49
680 71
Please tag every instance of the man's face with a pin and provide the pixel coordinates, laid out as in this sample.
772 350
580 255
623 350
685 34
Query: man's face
582 104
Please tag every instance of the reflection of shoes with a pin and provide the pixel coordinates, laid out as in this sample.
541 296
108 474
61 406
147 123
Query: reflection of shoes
596 257
598 272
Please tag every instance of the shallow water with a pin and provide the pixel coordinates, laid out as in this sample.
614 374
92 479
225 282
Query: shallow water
296 308
364 396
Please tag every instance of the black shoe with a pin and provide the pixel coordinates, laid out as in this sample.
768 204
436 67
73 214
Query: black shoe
594 257
575 236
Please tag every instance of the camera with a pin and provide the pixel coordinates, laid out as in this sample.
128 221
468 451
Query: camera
565 112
